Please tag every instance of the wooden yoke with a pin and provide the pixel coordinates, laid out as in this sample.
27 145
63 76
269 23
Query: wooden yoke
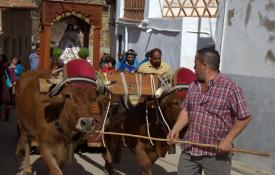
135 83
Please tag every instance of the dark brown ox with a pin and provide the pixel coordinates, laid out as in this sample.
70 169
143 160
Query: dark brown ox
53 121
146 153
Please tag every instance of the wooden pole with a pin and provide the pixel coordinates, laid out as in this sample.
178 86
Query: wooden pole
257 153
96 47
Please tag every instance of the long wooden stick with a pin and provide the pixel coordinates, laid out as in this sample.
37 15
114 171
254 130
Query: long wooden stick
185 142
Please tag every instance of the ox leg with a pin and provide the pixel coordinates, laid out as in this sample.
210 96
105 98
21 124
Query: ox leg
109 170
50 160
24 144
19 149
19 155
143 159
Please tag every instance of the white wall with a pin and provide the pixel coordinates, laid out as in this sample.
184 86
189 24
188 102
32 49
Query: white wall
196 34
153 9
248 42
247 45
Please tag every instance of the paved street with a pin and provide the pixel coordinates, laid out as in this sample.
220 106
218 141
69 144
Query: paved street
86 164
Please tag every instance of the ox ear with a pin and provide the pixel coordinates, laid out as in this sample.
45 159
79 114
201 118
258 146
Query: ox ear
53 108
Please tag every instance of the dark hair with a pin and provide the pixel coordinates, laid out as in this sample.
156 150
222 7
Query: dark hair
155 50
4 58
110 59
209 56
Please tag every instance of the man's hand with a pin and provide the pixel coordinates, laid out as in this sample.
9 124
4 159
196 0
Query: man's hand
172 136
225 145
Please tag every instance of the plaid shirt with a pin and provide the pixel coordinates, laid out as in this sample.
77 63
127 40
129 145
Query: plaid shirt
211 114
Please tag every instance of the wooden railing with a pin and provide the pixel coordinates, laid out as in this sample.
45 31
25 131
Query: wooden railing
134 10
190 8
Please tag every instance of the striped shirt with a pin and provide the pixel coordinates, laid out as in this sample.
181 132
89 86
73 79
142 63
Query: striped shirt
148 68
211 114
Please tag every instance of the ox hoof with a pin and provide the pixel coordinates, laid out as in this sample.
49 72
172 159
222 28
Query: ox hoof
27 170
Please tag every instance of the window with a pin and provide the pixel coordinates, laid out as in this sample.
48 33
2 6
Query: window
134 10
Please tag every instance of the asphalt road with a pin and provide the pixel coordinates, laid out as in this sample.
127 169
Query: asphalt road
85 164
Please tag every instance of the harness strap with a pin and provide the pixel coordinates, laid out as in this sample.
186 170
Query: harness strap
61 84
69 139
125 87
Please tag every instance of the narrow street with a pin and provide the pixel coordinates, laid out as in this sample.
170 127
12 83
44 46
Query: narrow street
86 164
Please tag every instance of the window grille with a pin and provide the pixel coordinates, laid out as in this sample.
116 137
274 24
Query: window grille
134 10
190 8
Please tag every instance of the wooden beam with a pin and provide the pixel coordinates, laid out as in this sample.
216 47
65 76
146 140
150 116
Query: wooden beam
45 42
96 47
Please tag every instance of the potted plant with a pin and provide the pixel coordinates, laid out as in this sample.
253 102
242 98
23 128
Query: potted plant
83 53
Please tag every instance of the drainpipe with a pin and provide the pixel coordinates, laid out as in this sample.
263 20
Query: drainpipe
223 31
126 38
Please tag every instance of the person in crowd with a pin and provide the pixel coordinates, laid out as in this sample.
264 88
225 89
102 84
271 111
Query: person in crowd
155 64
19 69
215 112
12 76
129 63
102 60
109 65
34 59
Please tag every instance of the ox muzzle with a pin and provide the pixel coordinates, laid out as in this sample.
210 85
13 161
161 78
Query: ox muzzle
86 125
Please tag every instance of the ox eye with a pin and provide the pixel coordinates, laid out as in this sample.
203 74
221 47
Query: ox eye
175 102
68 96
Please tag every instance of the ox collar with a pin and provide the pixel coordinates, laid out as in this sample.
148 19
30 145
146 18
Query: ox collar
69 139
57 88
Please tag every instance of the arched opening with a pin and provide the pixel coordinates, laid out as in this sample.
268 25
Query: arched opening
85 16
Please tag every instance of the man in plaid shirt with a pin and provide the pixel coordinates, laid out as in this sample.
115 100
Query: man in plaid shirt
215 112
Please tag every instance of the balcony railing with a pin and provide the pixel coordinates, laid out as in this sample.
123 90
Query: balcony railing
190 8
134 10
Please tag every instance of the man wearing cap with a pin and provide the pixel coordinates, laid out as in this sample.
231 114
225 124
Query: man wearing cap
129 64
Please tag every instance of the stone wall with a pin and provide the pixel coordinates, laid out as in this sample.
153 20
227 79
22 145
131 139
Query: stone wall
59 28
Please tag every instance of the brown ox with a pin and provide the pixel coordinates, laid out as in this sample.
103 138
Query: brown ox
53 121
146 153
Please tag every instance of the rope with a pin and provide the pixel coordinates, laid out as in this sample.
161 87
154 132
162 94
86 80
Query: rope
163 119
105 119
138 82
124 82
252 152
153 85
148 127
106 114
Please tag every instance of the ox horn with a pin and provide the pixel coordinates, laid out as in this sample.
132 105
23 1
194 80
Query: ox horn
160 91
163 89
